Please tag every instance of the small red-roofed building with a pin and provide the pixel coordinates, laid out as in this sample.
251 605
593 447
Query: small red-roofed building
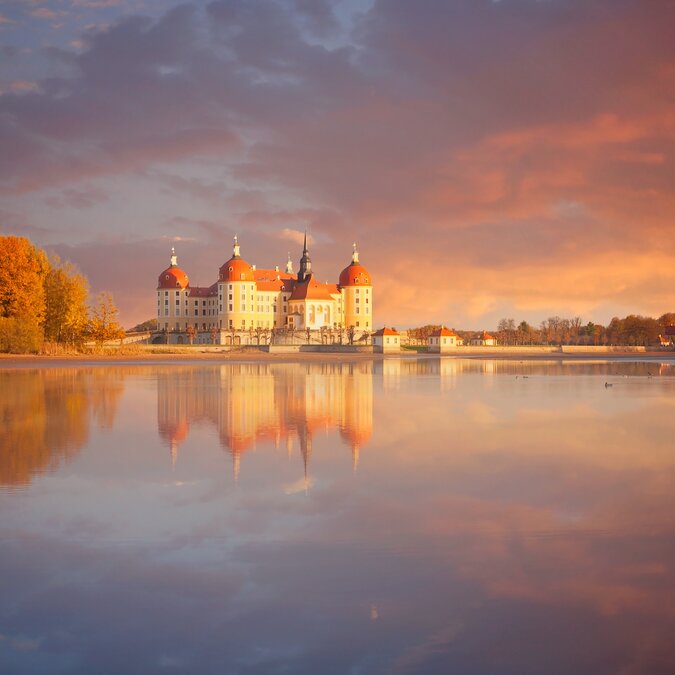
668 337
484 339
442 340
386 341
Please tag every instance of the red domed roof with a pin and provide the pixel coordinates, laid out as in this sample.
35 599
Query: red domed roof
355 274
173 277
236 269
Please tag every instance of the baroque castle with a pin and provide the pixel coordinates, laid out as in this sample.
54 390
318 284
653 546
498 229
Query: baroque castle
246 300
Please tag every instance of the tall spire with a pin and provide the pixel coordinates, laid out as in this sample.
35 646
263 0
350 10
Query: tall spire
174 257
235 248
355 254
289 264
305 263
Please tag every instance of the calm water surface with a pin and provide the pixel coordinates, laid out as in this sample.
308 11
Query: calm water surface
397 516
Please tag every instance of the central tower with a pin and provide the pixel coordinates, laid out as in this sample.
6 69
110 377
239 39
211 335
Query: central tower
305 270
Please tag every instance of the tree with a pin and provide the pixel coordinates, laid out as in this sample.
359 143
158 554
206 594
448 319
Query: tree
149 325
191 333
23 268
66 312
507 331
103 326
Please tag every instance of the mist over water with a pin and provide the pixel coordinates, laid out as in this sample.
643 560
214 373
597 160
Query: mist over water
395 516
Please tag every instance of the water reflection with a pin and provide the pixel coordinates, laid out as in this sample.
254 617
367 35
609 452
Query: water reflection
46 417
282 403
505 517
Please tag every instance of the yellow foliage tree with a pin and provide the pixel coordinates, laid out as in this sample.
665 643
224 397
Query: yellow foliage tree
66 312
23 268
103 326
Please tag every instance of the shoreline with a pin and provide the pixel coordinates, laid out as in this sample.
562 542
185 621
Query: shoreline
8 361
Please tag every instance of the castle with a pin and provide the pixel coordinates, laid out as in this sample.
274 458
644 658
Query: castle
247 303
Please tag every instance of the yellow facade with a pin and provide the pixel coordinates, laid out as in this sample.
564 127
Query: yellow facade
254 301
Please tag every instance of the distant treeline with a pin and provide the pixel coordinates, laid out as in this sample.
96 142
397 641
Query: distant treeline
631 330
45 300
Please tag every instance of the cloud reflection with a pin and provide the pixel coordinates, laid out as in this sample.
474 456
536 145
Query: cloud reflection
533 537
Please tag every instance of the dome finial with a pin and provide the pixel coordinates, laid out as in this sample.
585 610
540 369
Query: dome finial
235 248
174 257
355 254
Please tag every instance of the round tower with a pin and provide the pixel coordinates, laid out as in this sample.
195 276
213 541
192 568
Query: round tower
356 288
173 289
236 292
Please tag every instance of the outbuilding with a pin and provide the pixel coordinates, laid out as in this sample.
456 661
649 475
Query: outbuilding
386 341
442 340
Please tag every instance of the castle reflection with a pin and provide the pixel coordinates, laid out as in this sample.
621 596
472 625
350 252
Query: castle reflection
283 404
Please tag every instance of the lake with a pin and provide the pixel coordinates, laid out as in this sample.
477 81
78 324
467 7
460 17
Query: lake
405 515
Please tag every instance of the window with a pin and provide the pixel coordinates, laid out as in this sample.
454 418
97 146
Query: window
230 306
229 297
196 311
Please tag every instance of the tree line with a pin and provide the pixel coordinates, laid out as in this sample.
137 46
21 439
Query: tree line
632 330
44 300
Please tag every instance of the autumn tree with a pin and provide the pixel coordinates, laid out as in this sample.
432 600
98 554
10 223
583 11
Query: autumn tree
23 268
191 333
66 312
103 325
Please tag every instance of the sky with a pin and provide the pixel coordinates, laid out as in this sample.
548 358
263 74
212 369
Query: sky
491 158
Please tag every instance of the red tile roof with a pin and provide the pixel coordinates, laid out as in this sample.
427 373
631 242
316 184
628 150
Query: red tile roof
173 277
236 269
313 290
444 332
386 331
354 275
204 292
